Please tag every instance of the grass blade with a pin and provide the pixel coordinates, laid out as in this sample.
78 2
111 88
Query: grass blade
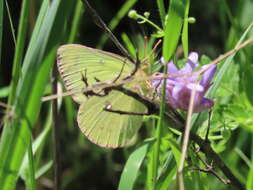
131 169
11 23
115 21
16 69
185 29
16 133
1 25
160 5
173 28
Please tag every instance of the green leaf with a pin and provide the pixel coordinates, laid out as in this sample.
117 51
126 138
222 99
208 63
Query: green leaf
173 27
132 167
185 29
4 91
43 169
176 150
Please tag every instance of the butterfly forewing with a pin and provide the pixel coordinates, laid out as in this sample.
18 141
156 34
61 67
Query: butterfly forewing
76 62
108 129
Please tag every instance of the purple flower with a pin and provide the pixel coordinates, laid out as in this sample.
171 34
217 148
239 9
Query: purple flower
178 88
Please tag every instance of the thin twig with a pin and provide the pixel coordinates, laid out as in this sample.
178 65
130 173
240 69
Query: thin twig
186 140
210 169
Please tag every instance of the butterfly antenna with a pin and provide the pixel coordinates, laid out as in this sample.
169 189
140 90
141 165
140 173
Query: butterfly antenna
122 68
100 23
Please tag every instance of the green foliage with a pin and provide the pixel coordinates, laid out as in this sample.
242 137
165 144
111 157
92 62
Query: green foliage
29 39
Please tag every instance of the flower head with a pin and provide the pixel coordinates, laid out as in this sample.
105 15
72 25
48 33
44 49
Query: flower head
179 86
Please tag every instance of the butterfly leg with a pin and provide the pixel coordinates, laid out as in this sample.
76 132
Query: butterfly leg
84 78
136 67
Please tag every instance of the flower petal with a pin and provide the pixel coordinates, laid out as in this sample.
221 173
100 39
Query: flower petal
193 57
208 75
205 104
195 86
172 69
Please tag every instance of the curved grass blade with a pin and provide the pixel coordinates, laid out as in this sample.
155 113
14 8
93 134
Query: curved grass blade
173 27
1 25
132 167
115 21
185 30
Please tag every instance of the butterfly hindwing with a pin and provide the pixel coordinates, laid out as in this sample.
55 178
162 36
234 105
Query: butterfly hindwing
108 129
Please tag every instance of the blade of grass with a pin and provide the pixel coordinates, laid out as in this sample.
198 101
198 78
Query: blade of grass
173 28
132 167
31 175
42 170
116 19
161 8
76 21
1 25
38 142
185 29
19 49
169 178
11 23
16 134
129 45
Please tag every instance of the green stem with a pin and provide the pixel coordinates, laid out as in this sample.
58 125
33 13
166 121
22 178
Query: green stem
156 150
150 22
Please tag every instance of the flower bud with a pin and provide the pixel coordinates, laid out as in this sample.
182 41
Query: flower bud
133 14
147 14
191 20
